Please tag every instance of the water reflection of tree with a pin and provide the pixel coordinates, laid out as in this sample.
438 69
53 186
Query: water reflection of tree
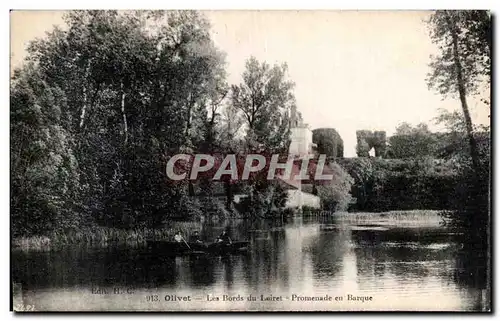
327 253
471 271
267 262
92 267
201 269
125 266
470 220
406 254
228 264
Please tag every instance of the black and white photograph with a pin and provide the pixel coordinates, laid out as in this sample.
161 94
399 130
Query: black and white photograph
250 160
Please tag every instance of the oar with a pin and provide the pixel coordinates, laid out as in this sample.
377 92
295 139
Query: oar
189 247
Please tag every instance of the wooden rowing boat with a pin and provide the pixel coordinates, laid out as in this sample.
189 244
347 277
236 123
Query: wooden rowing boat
181 248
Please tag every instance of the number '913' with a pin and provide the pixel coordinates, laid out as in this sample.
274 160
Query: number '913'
152 298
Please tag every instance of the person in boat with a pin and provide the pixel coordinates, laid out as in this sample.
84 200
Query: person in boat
178 237
195 238
224 238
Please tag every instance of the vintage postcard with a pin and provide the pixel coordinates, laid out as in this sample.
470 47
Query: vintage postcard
250 160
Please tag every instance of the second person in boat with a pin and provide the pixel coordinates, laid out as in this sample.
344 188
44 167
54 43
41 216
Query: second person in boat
195 238
224 238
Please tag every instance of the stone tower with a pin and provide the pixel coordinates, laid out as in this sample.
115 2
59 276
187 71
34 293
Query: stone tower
301 145
300 135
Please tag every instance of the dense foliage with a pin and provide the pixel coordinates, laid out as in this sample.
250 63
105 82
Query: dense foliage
328 142
397 184
100 105
412 142
336 195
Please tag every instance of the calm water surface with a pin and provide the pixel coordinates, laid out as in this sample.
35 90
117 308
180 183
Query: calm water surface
386 267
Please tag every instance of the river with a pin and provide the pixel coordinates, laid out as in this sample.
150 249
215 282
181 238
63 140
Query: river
331 264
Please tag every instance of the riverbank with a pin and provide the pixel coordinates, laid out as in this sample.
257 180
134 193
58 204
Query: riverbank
106 236
103 236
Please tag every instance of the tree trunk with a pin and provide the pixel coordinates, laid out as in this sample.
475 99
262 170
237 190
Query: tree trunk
125 126
191 191
229 194
189 115
463 96
84 107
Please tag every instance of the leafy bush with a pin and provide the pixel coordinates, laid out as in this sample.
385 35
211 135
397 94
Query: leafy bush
265 200
336 194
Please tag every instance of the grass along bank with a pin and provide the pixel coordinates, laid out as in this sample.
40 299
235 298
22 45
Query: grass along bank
103 236
420 218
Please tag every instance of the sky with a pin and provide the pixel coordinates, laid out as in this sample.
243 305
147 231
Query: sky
352 70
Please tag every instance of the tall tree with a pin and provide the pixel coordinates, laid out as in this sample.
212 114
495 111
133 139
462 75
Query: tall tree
45 192
464 39
265 98
463 66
